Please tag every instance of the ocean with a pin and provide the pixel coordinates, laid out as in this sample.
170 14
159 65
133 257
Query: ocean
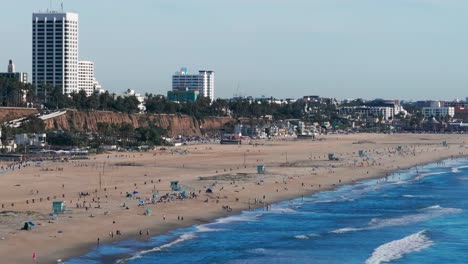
413 216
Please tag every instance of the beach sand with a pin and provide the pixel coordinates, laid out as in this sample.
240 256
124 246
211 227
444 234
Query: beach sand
293 169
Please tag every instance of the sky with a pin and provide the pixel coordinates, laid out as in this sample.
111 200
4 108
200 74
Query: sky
393 49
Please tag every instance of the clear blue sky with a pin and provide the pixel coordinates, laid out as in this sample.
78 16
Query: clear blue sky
408 49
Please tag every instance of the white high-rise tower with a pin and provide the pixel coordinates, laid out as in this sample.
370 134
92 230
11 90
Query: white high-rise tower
55 51
202 82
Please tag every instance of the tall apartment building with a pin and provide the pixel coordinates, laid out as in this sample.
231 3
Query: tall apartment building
55 51
202 82
86 80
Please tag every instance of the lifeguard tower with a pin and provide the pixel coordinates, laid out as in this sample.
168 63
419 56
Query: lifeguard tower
58 207
261 169
175 186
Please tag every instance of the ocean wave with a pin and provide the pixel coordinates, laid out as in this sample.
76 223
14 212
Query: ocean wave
463 178
416 196
277 209
257 251
244 217
346 230
423 215
455 170
206 228
398 248
424 175
180 239
306 236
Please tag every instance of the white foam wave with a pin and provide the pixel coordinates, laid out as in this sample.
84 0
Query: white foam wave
282 210
463 178
206 228
346 230
180 239
422 216
244 217
306 236
417 196
398 248
424 175
455 170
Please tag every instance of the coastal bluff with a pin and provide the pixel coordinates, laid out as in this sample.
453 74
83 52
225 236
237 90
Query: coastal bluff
175 124
12 113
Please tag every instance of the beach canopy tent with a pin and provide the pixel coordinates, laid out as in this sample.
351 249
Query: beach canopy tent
331 156
155 195
135 192
129 195
53 216
183 194
142 202
399 148
175 185
28 226
261 169
209 190
58 206
362 153
444 143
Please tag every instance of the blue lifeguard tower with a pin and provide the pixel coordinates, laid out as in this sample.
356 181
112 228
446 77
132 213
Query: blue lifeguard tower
58 207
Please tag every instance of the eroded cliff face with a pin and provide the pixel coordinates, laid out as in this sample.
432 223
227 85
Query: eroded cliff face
12 113
175 124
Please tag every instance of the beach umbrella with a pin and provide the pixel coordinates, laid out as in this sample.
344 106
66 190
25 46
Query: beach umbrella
135 192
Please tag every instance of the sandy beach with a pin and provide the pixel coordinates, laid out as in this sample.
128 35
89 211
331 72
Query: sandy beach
95 190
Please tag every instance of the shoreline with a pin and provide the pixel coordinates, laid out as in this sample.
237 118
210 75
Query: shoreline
239 211
293 169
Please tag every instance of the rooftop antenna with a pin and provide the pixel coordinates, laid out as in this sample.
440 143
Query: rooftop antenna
61 5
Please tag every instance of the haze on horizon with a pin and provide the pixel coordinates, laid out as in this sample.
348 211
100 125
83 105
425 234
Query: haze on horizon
402 49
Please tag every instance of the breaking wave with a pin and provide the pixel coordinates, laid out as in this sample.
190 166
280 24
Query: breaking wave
398 248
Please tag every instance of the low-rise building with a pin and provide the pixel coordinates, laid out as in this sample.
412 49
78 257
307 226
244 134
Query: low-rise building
435 111
12 74
183 95
34 140
386 113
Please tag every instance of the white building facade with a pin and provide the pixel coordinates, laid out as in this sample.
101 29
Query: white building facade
139 97
385 112
204 82
55 51
86 80
438 111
